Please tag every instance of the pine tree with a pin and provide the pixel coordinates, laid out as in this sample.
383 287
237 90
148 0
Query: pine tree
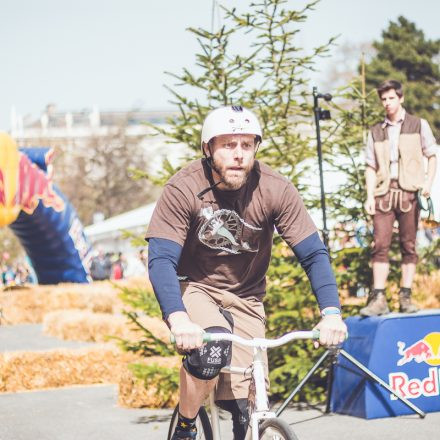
268 78
406 55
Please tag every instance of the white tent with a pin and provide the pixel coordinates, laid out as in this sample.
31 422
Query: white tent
107 234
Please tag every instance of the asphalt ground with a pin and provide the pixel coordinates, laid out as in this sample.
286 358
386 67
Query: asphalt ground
92 413
30 337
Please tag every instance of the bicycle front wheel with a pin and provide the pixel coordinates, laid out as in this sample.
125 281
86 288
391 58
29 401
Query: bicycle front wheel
276 429
204 430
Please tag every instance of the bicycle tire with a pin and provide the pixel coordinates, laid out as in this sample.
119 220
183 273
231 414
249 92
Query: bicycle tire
204 429
276 429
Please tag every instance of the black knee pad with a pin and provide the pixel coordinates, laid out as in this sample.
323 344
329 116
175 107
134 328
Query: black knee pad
207 361
240 415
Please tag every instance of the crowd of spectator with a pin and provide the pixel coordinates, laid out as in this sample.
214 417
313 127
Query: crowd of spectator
116 266
17 273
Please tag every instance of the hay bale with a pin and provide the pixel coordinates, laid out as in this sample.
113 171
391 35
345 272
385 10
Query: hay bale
426 290
103 364
79 325
133 394
98 297
23 370
30 305
20 306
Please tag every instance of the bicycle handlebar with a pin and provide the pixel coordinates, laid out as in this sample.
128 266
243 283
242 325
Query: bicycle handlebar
258 342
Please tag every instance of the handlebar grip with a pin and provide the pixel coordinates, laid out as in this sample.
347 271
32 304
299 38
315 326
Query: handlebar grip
206 338
316 335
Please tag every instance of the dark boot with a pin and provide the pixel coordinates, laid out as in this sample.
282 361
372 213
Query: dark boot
376 304
405 304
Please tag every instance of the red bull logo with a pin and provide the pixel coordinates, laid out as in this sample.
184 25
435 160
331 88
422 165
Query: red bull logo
22 184
425 350
34 186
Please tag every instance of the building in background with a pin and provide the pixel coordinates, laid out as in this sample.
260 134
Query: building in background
75 129
108 234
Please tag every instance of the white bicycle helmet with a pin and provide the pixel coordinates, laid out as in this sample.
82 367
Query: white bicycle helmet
230 120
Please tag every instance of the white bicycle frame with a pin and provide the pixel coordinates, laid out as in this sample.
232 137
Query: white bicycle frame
261 410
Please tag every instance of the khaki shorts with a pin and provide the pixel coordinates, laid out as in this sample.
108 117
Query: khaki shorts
211 307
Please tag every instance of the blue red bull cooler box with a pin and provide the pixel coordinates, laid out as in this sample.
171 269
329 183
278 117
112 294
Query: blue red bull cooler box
404 351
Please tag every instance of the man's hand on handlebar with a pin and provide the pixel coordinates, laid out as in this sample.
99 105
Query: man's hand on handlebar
188 334
332 331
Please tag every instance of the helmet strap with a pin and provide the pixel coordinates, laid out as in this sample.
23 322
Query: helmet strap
257 144
208 161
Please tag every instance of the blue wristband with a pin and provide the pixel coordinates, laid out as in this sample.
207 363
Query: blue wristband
330 311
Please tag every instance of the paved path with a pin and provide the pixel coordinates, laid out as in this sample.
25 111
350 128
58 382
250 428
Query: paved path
30 337
91 413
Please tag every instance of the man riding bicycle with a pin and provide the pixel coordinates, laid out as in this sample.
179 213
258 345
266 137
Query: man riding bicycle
210 241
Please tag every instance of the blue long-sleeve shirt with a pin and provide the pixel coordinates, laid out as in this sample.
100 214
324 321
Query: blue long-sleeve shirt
164 255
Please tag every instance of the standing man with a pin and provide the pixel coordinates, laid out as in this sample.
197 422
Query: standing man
395 153
210 241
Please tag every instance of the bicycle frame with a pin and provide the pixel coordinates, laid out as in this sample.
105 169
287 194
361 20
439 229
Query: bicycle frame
261 410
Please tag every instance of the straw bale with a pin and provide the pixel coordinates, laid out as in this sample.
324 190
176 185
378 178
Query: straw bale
97 297
23 370
22 306
79 325
102 364
133 394
426 290
30 305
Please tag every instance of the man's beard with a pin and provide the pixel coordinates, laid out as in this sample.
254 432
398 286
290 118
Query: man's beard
233 180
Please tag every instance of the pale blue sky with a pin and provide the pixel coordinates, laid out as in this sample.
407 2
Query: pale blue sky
112 53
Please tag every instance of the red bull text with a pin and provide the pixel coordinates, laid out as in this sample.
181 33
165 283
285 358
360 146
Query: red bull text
425 350
414 388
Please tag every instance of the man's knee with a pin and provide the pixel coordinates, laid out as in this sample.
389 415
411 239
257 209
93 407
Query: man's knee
206 362
409 253
409 257
380 254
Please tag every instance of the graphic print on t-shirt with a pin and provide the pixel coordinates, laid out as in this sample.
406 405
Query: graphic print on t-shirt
224 229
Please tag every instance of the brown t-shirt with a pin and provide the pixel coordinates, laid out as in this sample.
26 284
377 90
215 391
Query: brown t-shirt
227 235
